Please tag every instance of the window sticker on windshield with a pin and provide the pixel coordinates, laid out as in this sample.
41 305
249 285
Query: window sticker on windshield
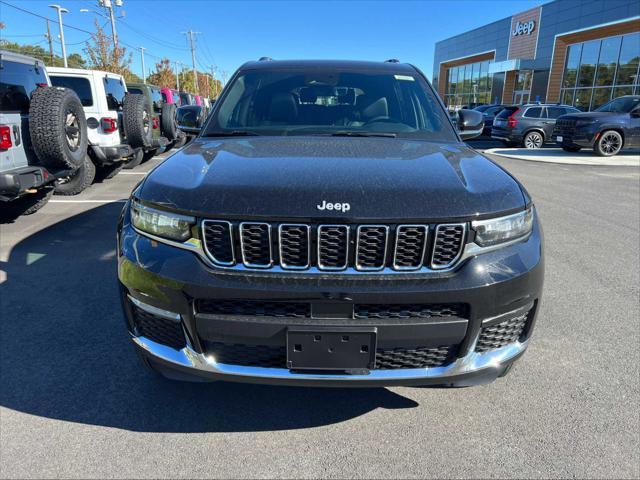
404 77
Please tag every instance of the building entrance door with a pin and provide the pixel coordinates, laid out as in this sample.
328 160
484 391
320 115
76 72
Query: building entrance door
522 88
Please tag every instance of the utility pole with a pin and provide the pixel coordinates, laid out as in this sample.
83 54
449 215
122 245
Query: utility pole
215 84
50 41
144 77
109 6
64 47
177 76
191 34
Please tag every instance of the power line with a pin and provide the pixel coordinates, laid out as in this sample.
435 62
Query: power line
152 38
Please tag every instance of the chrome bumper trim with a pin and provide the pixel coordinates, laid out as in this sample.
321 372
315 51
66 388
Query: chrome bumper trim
188 358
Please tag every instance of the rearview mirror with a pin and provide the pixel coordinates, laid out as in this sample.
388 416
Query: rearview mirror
470 124
190 118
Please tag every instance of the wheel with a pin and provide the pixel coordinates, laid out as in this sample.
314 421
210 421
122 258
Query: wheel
510 144
609 144
533 140
168 121
58 127
137 120
570 148
135 160
149 154
79 180
25 205
106 172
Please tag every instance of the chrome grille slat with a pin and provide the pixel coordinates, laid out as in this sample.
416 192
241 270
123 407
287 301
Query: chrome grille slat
333 247
371 247
317 248
218 241
294 246
410 247
255 244
447 245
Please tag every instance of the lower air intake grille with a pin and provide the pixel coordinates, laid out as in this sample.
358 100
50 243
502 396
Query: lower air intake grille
248 355
268 356
419 357
333 247
448 245
247 308
161 330
409 310
501 334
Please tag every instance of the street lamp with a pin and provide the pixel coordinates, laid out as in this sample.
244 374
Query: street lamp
64 48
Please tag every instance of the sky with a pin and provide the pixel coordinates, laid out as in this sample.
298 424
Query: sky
234 31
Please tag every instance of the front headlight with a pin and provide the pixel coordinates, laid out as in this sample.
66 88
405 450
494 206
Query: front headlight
503 229
163 224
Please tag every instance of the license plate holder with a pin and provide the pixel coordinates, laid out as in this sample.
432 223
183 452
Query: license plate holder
335 348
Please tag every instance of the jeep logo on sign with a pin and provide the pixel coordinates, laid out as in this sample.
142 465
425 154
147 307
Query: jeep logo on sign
524 28
340 207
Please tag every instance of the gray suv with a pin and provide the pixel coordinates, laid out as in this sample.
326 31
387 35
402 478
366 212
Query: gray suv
528 125
43 135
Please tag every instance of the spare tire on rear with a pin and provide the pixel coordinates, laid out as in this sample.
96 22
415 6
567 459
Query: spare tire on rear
168 121
137 120
58 127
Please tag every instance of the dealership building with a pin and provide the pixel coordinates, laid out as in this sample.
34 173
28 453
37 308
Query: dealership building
576 52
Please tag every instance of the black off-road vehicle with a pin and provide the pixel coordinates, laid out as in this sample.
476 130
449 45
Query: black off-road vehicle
329 226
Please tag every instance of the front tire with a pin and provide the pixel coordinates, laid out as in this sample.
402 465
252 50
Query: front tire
609 144
533 140
25 205
79 180
107 172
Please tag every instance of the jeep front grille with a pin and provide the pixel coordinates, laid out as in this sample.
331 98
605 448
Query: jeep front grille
333 248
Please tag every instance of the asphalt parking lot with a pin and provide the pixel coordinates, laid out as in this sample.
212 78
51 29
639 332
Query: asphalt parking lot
75 403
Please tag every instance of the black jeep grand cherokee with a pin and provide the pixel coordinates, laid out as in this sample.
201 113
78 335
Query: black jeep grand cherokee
329 227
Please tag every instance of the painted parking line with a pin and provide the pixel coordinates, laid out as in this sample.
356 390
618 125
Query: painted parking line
132 173
88 201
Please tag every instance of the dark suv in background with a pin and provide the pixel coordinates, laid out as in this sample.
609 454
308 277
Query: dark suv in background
608 129
528 125
489 113
329 226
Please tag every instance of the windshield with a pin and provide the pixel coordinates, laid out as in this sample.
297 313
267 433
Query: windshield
620 105
322 101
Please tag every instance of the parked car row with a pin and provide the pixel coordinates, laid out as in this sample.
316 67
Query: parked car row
61 129
607 130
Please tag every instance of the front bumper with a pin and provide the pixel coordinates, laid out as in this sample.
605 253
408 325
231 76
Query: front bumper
576 137
167 282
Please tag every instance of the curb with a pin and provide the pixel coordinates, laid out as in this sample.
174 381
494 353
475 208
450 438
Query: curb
557 155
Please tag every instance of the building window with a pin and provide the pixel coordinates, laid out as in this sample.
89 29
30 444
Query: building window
468 85
599 70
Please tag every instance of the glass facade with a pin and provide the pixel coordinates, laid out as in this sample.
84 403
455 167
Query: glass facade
599 70
468 85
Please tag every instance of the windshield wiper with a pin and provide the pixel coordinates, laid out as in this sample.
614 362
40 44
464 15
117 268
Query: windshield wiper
233 133
348 133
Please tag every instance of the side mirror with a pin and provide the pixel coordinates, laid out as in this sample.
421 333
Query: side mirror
190 118
635 114
470 124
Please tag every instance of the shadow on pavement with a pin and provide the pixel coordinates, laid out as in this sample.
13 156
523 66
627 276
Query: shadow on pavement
66 355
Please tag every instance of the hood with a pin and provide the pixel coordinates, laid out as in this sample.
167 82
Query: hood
288 177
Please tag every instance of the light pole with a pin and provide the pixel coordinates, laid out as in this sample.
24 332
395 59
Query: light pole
64 47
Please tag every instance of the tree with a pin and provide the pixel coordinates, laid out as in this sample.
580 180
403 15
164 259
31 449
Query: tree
163 76
102 55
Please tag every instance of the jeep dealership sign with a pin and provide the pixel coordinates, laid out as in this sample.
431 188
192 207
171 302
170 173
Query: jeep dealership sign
526 28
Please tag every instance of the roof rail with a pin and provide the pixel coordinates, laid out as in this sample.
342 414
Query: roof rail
392 60
265 59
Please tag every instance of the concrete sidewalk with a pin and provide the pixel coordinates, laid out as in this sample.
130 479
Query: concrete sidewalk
626 158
